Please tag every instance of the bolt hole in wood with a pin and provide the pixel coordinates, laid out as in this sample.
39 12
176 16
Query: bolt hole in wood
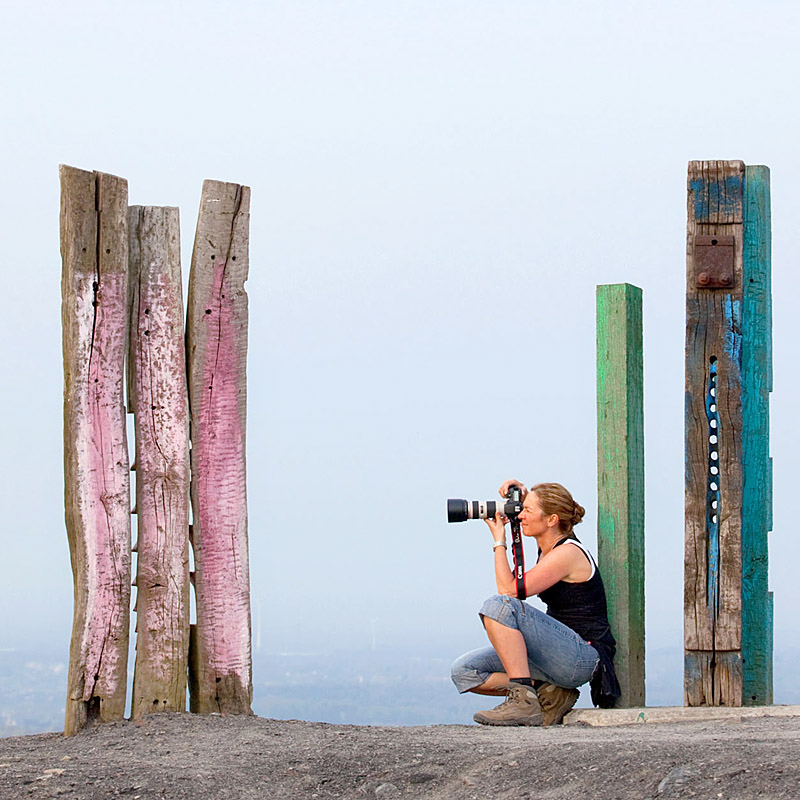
713 492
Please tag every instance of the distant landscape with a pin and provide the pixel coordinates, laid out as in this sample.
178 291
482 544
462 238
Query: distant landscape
366 688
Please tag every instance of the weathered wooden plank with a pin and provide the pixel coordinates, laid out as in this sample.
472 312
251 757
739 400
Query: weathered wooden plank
713 414
620 478
216 335
94 251
713 678
715 192
158 399
757 487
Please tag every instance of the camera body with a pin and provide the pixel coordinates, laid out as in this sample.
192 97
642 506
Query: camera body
461 510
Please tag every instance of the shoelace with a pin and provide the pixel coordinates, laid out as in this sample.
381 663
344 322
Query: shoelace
517 694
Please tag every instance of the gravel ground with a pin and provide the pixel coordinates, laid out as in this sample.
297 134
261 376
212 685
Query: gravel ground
179 756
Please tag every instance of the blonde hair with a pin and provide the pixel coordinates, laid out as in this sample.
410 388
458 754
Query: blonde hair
555 499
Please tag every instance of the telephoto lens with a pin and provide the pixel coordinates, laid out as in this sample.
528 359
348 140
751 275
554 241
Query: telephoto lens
462 510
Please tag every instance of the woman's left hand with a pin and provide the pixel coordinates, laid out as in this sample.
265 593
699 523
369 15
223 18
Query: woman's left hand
498 527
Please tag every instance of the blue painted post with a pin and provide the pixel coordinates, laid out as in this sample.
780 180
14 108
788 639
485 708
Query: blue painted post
727 608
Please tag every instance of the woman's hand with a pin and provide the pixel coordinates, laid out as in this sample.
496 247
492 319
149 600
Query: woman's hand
498 527
506 488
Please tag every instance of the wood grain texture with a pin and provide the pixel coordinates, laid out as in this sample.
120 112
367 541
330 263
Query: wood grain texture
620 479
216 334
158 399
757 487
94 312
712 589
713 678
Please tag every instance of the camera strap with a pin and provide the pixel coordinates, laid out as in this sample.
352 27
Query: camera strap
519 558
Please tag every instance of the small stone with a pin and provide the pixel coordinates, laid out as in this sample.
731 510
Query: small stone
513 763
675 779
387 790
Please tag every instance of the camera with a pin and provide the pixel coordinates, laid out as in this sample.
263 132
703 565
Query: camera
462 510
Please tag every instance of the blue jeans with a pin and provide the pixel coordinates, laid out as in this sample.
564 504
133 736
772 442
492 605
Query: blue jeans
556 653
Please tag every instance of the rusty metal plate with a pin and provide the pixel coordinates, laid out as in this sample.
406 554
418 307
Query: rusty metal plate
714 258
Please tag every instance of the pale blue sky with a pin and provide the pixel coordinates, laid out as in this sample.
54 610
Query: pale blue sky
437 187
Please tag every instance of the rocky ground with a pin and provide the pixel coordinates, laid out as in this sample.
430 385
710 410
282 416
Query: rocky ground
181 756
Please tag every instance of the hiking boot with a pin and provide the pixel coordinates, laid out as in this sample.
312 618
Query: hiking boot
521 707
555 702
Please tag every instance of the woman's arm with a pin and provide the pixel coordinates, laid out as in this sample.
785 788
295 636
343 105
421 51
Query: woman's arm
558 564
506 584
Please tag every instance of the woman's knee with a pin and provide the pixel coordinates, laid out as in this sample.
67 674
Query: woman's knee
503 609
471 669
459 667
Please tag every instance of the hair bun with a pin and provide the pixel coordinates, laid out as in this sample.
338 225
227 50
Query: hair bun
555 499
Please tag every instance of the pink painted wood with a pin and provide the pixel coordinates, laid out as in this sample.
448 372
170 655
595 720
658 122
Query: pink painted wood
157 396
221 661
94 250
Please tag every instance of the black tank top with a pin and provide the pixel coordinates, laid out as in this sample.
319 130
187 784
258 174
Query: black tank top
582 607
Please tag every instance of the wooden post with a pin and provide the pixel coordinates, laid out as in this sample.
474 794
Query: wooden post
620 479
216 334
728 495
757 479
157 396
94 312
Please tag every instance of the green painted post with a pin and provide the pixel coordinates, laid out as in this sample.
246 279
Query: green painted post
757 464
620 478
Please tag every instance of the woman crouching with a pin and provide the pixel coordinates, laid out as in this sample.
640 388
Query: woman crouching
538 660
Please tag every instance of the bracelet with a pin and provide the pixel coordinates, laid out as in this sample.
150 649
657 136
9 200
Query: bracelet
498 544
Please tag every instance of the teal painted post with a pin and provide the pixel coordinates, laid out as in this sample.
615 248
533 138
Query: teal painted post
620 478
757 464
